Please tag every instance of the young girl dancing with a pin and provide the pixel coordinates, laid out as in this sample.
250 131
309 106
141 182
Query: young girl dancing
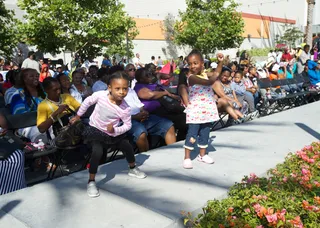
201 110
109 122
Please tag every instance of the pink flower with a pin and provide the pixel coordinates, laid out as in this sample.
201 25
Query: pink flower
257 207
247 210
305 172
285 179
308 147
272 218
311 160
261 226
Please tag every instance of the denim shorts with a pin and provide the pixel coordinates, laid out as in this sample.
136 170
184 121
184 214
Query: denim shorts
198 133
154 125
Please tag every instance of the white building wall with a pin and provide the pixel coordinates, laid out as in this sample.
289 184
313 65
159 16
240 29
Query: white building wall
148 48
155 9
316 13
289 9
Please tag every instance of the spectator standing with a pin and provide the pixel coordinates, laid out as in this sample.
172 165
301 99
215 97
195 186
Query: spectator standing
30 62
180 62
153 60
106 62
303 57
44 72
159 62
136 61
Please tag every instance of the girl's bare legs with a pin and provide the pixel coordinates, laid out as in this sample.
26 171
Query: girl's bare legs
187 153
202 151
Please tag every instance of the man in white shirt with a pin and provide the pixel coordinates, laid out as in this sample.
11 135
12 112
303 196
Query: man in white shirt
136 61
30 62
144 124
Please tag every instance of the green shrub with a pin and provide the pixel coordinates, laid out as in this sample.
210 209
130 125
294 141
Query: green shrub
288 197
259 51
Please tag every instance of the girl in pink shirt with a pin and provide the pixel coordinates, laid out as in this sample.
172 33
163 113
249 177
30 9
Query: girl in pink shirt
109 122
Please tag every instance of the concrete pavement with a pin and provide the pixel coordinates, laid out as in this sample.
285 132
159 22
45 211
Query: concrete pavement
158 200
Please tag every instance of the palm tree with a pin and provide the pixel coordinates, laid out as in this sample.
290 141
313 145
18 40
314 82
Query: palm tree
311 4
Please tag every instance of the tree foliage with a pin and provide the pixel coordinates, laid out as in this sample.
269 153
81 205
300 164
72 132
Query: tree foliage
82 26
210 25
8 31
291 35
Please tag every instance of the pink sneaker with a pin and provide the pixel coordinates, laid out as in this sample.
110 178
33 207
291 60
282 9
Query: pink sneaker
187 164
206 159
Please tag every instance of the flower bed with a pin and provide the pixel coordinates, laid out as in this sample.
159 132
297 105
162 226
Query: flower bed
288 197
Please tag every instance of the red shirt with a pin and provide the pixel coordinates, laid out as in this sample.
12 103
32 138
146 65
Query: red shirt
6 85
286 56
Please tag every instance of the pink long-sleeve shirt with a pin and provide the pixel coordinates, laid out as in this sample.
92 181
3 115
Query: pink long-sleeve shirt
106 112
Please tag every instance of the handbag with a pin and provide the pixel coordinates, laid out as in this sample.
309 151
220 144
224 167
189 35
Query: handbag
170 104
9 144
70 135
67 135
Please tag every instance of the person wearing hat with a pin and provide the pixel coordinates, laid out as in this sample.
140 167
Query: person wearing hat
314 72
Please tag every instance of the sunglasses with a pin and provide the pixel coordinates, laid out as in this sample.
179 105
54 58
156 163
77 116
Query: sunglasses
132 69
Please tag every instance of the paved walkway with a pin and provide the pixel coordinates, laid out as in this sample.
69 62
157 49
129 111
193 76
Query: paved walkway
157 200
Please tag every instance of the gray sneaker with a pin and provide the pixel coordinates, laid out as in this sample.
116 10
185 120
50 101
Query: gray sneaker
136 172
92 189
255 114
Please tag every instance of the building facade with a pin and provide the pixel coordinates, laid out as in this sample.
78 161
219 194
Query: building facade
264 21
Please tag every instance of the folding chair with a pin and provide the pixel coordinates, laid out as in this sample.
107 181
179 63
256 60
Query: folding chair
24 120
222 123
264 107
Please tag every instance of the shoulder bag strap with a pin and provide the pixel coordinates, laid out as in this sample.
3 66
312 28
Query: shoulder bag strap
50 106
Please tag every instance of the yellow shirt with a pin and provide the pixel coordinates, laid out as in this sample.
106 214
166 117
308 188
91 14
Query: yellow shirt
46 108
203 75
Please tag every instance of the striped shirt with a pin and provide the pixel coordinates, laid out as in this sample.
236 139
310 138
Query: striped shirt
12 173
106 113
9 94
20 105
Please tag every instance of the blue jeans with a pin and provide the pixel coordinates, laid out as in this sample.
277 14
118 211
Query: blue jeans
198 133
154 125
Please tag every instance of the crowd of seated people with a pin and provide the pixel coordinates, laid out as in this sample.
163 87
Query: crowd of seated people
236 92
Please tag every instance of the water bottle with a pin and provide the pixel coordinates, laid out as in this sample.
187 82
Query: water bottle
269 94
40 145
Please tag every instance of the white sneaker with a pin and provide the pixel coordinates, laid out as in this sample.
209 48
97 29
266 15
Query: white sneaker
206 159
92 189
136 172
